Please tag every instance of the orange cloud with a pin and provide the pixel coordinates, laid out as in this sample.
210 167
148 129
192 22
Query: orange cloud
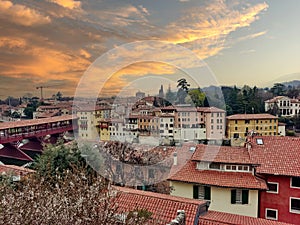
69 4
12 42
21 14
205 31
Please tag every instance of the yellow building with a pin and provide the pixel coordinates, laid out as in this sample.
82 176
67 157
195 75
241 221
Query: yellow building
89 117
103 129
241 125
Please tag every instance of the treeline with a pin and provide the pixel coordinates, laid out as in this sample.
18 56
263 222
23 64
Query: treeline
232 99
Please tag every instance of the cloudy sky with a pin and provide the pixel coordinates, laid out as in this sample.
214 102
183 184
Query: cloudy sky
53 42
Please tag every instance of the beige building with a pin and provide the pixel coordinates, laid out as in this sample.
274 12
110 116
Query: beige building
89 118
240 125
214 119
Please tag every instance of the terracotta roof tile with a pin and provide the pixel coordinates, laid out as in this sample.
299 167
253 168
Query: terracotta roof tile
190 174
163 207
210 109
220 218
251 116
277 155
17 170
24 123
222 154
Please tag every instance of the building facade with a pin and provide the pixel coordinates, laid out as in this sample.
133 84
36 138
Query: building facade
241 125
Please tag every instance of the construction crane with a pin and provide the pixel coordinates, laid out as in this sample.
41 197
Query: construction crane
41 88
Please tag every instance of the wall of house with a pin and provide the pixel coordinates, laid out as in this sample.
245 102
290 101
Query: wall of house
89 132
280 201
215 125
182 189
262 126
220 199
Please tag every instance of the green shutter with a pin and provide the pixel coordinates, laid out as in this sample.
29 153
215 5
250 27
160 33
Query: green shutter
195 192
233 196
206 192
245 196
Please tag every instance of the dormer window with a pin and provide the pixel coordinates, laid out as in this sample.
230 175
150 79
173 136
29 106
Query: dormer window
214 166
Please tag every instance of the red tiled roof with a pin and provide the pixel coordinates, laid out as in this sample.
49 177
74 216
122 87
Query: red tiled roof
40 115
210 109
16 170
166 115
220 218
190 174
24 123
277 155
163 207
186 109
251 116
222 154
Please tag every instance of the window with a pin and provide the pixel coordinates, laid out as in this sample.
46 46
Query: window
214 166
247 121
201 192
239 196
295 182
273 187
295 205
271 214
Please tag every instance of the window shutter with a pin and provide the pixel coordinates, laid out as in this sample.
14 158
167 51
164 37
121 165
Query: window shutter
245 196
206 192
195 192
233 196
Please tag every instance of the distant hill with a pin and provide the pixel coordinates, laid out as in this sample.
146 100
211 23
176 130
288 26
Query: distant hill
294 83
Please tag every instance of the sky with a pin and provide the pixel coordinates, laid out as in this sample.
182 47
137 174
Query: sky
55 43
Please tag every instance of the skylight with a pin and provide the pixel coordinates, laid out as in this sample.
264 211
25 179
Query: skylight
259 141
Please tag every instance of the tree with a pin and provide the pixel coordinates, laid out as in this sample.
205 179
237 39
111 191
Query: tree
59 95
278 89
197 97
58 158
66 194
182 92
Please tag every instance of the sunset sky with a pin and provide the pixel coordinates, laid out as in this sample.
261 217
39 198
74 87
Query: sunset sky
53 42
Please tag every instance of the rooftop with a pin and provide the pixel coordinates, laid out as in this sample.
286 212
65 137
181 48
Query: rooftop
222 154
251 116
163 207
190 174
220 218
16 170
24 123
277 155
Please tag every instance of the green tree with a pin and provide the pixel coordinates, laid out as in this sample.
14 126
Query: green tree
183 88
278 89
197 97
59 158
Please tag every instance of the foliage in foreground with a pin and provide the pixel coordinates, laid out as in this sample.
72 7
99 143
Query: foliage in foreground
63 191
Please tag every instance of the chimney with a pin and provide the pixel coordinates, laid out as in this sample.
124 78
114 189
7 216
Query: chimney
175 159
180 218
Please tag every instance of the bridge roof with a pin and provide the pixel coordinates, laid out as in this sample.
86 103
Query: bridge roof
25 123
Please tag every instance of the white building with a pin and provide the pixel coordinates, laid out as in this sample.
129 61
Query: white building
286 106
